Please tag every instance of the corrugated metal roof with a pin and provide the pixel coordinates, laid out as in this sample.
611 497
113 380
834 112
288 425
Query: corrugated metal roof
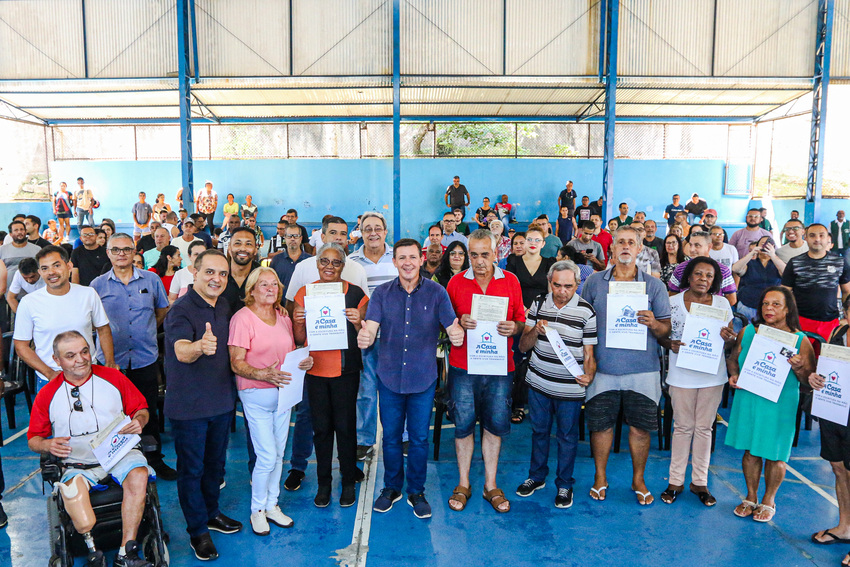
40 40
342 38
665 37
447 37
566 110
753 41
238 38
552 37
106 99
131 38
294 96
382 110
496 95
108 112
840 66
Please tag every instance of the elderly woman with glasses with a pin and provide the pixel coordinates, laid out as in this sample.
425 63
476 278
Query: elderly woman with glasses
260 338
333 382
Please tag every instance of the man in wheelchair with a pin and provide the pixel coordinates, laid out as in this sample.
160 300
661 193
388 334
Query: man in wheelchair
66 415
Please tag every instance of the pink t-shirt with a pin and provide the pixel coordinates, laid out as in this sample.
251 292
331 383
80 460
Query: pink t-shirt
265 345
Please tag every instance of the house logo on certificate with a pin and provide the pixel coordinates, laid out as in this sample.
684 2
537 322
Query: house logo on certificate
704 334
769 357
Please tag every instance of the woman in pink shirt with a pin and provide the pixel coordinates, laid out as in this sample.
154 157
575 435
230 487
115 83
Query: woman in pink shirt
260 338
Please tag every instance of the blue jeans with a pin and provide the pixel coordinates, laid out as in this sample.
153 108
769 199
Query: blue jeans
81 216
302 435
416 409
201 447
543 410
367 397
487 398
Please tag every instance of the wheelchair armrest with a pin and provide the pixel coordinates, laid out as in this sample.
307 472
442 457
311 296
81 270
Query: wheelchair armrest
51 468
148 444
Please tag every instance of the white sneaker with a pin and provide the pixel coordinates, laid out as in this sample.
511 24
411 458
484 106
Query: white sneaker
259 523
278 518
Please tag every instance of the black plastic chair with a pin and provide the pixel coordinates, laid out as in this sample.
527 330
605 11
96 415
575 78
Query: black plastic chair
14 383
441 396
804 406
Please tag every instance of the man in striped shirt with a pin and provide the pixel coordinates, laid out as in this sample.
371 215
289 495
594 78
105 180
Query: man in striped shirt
554 392
376 257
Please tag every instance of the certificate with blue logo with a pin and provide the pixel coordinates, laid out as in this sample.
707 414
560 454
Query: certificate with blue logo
486 350
832 402
326 322
703 347
622 329
766 367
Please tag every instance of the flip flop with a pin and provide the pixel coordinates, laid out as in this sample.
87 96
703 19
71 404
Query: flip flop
644 495
598 492
832 538
771 513
747 510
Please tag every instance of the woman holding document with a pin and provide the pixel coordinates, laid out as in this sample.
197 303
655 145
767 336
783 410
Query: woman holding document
333 381
696 389
762 428
260 338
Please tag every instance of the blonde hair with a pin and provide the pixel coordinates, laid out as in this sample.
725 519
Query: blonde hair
251 283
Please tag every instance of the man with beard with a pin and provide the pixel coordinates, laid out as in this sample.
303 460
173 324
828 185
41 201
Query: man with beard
750 233
33 224
243 261
88 259
291 255
19 248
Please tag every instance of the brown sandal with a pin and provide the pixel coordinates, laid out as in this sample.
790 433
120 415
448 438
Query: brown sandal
460 495
496 497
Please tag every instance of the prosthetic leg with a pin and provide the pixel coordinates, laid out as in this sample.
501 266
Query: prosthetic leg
75 495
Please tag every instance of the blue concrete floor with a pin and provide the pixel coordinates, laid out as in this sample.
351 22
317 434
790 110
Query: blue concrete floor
615 532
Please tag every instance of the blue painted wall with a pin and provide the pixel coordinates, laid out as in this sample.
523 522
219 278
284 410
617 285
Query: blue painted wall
349 187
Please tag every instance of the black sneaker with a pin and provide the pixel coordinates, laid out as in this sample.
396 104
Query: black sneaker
131 557
421 508
528 487
225 525
163 471
405 445
293 481
204 547
564 499
385 501
323 496
96 559
359 475
4 519
364 452
348 496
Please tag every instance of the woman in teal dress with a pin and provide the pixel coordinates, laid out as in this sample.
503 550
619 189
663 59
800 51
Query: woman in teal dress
764 429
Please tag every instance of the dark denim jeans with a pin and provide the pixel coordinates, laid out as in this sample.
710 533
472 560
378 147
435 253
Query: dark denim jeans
302 436
201 447
395 409
543 410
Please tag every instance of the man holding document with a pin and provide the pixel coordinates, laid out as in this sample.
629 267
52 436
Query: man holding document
488 302
633 311
562 331
410 310
69 413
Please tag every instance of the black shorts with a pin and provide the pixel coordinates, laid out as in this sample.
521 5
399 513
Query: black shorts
639 411
835 442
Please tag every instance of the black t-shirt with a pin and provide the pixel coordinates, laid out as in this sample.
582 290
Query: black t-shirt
656 244
595 208
568 198
145 243
482 214
456 195
89 262
583 213
696 209
532 285
815 284
40 242
234 294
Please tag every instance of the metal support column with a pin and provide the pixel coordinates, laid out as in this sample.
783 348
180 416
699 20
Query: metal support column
184 47
396 123
611 21
820 82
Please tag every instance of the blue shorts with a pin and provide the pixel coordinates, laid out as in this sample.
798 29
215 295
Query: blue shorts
487 398
132 460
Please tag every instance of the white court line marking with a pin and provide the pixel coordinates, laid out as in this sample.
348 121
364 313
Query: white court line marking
15 436
355 554
828 497
23 481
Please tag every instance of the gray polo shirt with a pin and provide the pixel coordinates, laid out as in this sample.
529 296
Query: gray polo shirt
593 246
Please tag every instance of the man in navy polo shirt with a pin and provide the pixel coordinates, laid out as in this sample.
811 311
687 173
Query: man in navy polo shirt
200 398
411 311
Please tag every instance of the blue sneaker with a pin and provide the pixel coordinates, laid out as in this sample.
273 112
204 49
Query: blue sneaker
421 508
385 501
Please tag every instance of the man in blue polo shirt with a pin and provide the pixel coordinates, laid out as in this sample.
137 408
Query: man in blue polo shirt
410 310
200 398
136 303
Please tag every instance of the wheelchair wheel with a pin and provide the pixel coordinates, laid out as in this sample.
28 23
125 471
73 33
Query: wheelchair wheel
155 551
60 555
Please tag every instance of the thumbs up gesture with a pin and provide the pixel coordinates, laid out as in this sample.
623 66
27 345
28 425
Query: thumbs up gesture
208 342
365 337
456 334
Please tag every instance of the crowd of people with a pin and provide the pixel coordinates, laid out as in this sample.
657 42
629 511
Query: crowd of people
210 312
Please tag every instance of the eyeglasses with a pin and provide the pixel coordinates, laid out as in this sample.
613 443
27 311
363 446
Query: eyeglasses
121 251
794 229
84 234
328 262
293 236
370 230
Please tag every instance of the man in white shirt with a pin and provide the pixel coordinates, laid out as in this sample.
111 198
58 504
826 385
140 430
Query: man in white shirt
720 252
797 244
334 229
183 241
26 280
58 307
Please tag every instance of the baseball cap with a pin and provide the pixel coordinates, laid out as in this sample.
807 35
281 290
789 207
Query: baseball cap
710 212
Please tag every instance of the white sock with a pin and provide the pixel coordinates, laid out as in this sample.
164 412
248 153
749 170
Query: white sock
121 551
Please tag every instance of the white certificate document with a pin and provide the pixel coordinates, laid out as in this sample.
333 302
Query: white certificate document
703 348
489 308
317 289
622 329
832 403
765 368
486 350
291 394
109 446
326 322
564 354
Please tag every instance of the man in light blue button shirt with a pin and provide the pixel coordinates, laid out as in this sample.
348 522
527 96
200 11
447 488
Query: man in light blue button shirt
136 303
